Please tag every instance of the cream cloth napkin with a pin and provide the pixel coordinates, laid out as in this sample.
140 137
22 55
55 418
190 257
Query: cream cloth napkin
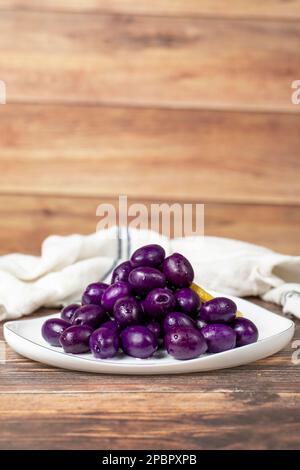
67 264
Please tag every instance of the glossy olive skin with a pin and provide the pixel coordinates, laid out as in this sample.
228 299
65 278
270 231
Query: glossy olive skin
148 255
177 320
91 315
111 324
246 331
219 337
121 272
104 343
185 343
159 302
68 312
144 279
75 339
127 311
200 323
178 270
155 327
93 293
218 310
138 341
188 301
113 293
52 330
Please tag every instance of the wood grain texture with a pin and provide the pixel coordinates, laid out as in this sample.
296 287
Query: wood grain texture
157 61
254 8
180 154
26 220
155 421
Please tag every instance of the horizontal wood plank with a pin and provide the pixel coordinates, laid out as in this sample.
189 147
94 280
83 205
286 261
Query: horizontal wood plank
136 60
161 153
143 421
254 8
26 220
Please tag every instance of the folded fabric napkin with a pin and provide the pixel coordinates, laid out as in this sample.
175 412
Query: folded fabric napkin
67 264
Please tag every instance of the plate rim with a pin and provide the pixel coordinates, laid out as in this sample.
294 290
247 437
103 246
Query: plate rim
139 363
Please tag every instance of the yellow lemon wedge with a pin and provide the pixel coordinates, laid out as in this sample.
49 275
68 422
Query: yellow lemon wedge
205 296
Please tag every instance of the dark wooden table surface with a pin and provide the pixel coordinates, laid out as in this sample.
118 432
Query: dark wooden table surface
254 406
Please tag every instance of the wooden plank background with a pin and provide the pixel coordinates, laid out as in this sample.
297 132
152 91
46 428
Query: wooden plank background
221 8
145 60
164 100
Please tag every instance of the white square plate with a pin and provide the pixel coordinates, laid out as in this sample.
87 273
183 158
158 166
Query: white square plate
275 332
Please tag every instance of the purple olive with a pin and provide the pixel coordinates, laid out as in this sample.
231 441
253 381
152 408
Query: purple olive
185 343
138 341
148 255
219 337
52 329
121 272
68 312
178 270
218 310
104 343
90 315
75 339
93 293
127 311
188 301
159 302
246 331
177 320
144 279
155 327
113 293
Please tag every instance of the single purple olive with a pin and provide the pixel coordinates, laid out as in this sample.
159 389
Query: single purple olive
219 337
90 315
113 293
144 279
52 330
121 272
218 310
68 312
148 255
104 343
155 327
185 343
178 270
138 341
93 293
127 311
75 339
188 301
159 302
246 331
177 320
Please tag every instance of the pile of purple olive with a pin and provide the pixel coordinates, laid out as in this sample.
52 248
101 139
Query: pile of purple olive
149 305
